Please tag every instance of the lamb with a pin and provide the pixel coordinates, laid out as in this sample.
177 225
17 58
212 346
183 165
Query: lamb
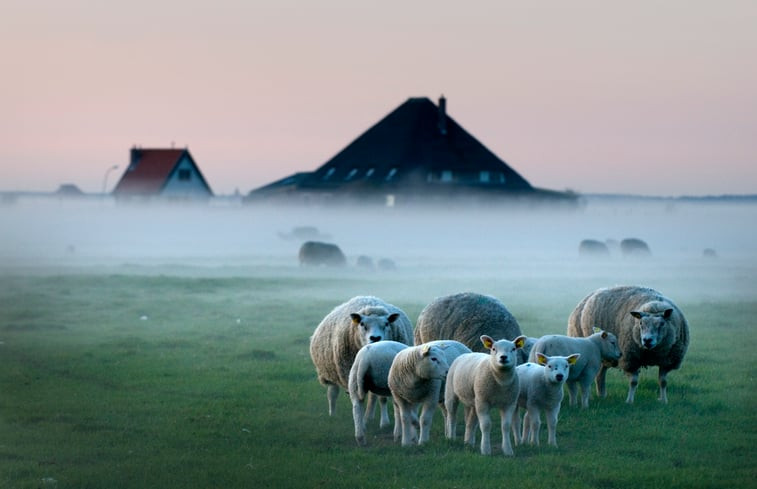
346 329
483 382
464 317
541 390
598 349
650 328
415 379
370 373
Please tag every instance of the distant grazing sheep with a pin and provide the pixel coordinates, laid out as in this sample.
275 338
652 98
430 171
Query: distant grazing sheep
346 329
415 379
313 253
592 248
464 317
541 390
650 328
370 373
709 253
365 262
598 349
481 382
634 247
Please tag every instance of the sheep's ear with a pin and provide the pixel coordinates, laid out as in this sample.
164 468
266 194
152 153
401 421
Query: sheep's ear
519 341
596 330
667 313
425 350
541 359
574 358
393 317
636 314
356 318
487 341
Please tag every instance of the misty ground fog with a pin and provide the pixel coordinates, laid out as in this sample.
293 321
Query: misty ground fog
451 248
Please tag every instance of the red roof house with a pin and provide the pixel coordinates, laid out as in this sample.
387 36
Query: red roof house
163 173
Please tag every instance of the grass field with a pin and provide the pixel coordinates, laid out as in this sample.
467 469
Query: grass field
124 378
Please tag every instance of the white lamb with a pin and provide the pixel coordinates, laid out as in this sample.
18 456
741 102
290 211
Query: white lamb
484 381
541 389
370 373
601 348
415 379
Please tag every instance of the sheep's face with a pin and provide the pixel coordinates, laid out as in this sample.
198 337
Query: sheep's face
651 327
432 364
609 349
373 328
504 353
556 368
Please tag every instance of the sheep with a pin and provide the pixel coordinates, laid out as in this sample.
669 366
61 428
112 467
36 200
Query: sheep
593 248
319 253
483 382
598 349
541 390
370 373
650 328
634 247
346 329
415 379
464 317
525 351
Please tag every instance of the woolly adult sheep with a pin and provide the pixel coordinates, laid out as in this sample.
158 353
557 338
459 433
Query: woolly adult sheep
598 349
415 379
313 253
634 247
481 382
650 328
464 317
370 373
346 329
593 248
541 390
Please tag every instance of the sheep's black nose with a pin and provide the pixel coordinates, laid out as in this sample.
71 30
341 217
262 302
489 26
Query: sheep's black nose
559 377
374 339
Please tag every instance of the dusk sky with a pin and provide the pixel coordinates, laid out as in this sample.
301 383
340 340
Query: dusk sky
646 97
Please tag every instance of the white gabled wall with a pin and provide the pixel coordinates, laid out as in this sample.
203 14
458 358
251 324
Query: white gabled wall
191 187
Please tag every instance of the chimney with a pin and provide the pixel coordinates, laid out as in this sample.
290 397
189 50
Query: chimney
443 115
136 155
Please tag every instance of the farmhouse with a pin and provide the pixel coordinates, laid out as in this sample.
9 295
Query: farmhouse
170 174
417 153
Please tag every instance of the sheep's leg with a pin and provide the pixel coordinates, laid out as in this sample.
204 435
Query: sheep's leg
427 416
406 414
633 382
516 427
585 392
358 416
600 380
332 391
573 392
663 381
384 412
397 423
471 422
450 423
485 425
534 415
506 422
551 415
370 406
526 433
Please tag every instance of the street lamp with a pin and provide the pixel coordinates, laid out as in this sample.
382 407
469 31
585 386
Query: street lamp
105 178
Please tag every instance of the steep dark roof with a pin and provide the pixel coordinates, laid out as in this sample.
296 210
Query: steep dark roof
150 169
419 141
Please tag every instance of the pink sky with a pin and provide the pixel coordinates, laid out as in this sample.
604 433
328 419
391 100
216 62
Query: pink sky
646 97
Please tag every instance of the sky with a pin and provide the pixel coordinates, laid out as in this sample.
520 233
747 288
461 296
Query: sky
652 97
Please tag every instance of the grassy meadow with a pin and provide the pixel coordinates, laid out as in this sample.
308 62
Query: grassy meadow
168 347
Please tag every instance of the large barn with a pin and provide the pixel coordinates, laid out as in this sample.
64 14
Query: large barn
167 174
417 153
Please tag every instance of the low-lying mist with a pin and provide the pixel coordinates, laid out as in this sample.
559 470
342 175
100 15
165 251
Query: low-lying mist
462 245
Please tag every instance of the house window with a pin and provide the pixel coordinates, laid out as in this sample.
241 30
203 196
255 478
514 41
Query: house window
483 177
501 178
184 175
329 173
351 174
391 174
446 176
369 173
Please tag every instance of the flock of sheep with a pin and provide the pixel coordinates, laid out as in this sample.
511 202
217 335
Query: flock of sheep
468 349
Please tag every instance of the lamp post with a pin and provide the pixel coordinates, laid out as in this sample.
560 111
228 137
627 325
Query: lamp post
105 178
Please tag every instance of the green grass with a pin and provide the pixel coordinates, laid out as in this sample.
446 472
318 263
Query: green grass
215 388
